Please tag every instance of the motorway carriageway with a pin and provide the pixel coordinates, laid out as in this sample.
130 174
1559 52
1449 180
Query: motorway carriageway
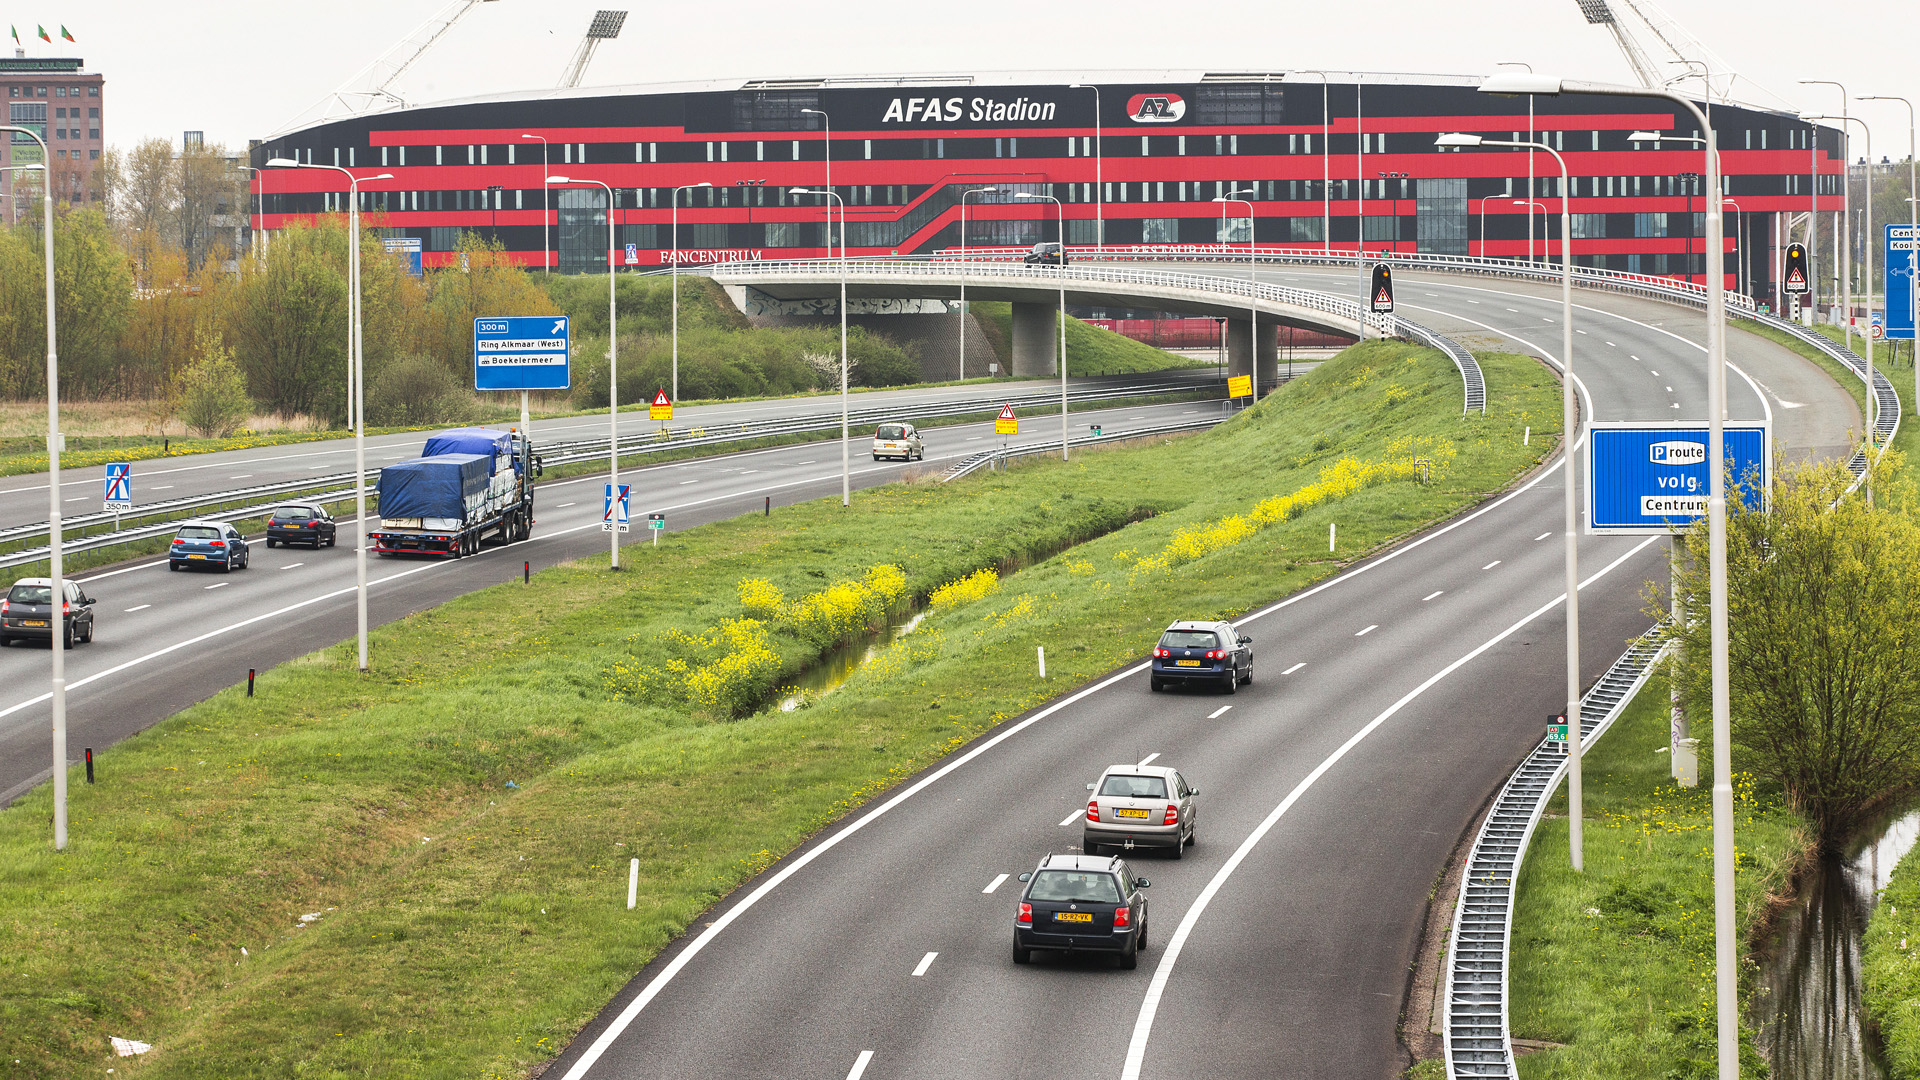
24 498
1389 704
166 640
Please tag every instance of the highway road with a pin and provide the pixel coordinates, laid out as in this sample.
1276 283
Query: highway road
1389 705
24 498
166 640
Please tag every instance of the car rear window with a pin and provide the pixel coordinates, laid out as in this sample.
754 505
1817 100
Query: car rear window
1068 886
890 431
1189 639
199 532
294 513
31 594
1135 787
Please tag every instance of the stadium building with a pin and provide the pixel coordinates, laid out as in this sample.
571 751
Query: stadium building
1137 161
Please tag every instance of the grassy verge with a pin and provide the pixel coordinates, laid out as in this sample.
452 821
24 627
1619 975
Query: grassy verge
1617 962
458 823
1890 969
1091 350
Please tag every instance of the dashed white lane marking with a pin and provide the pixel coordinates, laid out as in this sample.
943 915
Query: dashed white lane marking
161 487
995 883
1294 668
1543 318
310 468
925 963
242 476
1612 345
1491 565
684 483
77 498
291 565
1214 715
1669 389
860 1065
1148 760
1473 301
1541 537
142 607
219 584
1368 630
815 461
563 506
1431 595
1136 418
743 472
1580 332
1073 817
1515 310
975 438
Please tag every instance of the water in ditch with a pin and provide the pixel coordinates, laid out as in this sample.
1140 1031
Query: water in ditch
1811 1022
838 666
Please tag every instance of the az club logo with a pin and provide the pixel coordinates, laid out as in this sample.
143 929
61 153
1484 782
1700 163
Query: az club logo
1677 453
1156 108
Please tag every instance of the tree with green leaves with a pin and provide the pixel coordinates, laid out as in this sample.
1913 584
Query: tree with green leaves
286 319
1823 617
210 396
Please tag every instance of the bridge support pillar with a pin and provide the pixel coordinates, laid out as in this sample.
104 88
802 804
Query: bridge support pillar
1035 340
1240 349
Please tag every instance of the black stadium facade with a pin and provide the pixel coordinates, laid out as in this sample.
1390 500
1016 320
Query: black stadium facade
1319 163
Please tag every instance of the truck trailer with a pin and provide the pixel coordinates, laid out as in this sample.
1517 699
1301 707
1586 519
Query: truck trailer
469 486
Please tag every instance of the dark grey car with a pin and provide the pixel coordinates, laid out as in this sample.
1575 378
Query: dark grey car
1081 903
26 614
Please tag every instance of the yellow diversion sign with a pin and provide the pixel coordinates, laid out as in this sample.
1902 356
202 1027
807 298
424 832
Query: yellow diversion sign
1006 423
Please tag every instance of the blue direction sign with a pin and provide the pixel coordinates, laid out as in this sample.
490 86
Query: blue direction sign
521 353
1652 477
1900 282
119 494
613 512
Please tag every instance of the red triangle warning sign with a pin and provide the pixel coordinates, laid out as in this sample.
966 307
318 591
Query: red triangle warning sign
1382 297
1795 277
660 398
1006 412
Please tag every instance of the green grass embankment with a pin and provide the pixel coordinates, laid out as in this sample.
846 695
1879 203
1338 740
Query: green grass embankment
458 823
1091 350
1617 962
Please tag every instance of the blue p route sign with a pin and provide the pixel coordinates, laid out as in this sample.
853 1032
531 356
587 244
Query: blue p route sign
1653 477
1900 266
521 353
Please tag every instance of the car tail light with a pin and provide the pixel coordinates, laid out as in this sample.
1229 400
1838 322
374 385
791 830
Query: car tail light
177 541
66 607
1026 914
1093 809
216 543
1162 652
3 607
1173 815
1122 917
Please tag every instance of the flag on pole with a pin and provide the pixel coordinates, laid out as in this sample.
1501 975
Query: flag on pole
65 33
16 34
43 34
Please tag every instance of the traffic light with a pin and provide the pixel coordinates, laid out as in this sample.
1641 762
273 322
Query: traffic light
1797 272
1382 288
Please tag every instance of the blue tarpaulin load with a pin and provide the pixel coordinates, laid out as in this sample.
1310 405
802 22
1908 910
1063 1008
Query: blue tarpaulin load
433 487
470 440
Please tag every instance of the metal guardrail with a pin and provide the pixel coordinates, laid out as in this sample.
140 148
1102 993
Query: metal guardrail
27 556
974 463
1212 287
1476 1030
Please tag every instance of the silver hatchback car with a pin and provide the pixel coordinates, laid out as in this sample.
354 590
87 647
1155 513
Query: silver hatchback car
901 441
1140 806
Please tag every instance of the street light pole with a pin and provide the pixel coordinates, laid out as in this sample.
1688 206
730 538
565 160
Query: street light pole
1062 271
54 568
613 369
1099 188
356 383
1726 940
1326 163
1913 209
546 208
673 258
963 272
1845 254
1866 278
846 460
1739 247
1253 309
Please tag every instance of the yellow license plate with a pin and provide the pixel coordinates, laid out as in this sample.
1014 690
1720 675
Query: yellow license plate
196 556
34 622
1186 663
1133 813
1072 916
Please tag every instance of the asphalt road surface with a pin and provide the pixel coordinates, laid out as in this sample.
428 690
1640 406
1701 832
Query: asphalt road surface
1388 706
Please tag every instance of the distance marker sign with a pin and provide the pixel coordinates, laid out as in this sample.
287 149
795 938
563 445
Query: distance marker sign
1653 477
521 353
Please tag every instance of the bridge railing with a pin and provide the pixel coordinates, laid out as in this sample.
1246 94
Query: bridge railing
1214 287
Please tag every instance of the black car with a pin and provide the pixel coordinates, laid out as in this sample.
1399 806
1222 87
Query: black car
300 523
1048 254
1211 653
27 613
1081 903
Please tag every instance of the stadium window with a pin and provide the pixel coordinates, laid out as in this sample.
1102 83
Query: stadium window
350 162
336 164
1763 138
796 149
1233 144
1219 145
999 148
940 148
1013 146
1596 142
1145 150
483 154
868 145
470 154
519 202
1183 146
437 156
1070 147
1589 226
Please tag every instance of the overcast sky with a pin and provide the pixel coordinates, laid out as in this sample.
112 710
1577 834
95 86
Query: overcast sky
244 70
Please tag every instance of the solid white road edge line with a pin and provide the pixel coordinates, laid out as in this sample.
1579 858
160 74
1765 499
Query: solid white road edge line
860 1065
995 883
925 963
1170 952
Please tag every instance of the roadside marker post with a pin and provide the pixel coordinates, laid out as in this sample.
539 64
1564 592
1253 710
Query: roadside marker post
656 524
1557 732
89 764
633 871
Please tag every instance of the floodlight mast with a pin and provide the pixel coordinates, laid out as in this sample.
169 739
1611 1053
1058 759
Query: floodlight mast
605 26
375 86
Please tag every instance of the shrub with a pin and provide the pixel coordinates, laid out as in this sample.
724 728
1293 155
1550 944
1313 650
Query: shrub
846 608
761 598
975 586
415 390
212 392
725 673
